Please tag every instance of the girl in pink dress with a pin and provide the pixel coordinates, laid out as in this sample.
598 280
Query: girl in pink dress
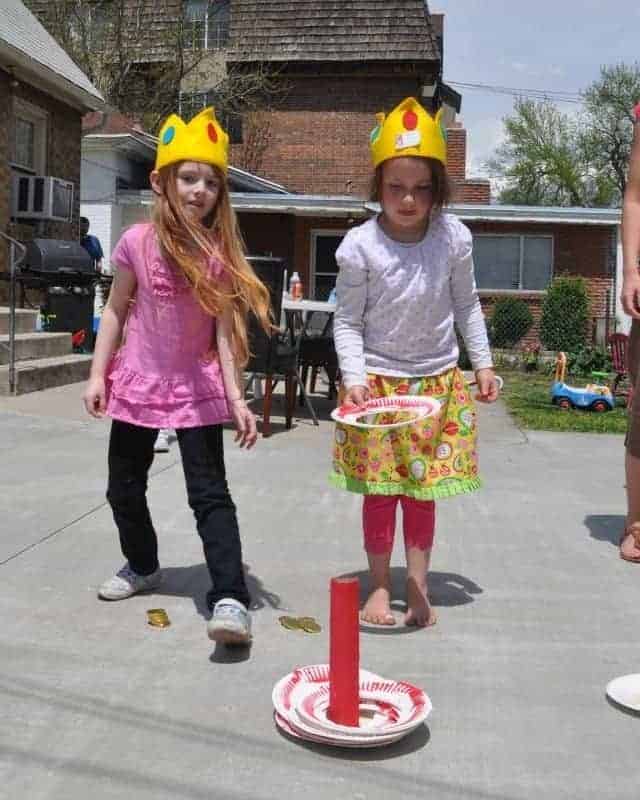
180 364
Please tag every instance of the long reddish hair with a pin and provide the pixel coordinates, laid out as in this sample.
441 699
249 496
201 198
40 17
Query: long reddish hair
190 243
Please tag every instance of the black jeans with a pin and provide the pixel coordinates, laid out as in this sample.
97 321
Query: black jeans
130 456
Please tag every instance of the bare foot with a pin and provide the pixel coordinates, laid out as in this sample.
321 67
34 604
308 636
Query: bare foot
377 609
419 610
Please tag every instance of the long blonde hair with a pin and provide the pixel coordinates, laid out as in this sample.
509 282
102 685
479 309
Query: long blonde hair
189 244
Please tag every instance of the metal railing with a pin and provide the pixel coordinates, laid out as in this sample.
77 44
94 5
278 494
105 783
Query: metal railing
14 264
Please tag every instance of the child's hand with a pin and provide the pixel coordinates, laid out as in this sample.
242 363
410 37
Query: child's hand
95 397
488 386
356 395
245 422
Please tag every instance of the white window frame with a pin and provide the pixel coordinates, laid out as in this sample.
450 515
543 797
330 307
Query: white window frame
39 118
485 290
315 234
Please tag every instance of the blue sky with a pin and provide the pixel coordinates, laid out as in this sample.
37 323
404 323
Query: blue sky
556 45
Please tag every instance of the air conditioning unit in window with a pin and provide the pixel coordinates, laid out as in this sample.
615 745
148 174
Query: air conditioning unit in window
41 197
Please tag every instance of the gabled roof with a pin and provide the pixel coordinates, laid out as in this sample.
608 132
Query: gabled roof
331 30
33 55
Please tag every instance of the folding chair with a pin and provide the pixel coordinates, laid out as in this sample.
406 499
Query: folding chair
618 344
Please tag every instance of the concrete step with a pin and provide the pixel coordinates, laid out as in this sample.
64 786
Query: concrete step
43 373
36 345
25 320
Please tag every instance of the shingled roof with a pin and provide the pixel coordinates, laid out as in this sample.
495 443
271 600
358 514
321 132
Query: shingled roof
331 30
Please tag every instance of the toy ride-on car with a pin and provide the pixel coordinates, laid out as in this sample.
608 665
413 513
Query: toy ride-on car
592 397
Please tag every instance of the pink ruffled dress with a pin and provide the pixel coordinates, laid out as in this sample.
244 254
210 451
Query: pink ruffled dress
166 374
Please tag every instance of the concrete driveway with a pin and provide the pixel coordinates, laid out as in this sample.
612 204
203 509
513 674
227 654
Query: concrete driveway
536 614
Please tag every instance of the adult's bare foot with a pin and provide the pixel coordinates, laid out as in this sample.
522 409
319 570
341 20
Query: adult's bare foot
377 609
420 613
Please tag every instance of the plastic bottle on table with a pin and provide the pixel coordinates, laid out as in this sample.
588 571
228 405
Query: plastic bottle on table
295 287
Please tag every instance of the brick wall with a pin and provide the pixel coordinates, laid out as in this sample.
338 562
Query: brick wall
474 190
62 161
5 172
318 136
579 250
457 154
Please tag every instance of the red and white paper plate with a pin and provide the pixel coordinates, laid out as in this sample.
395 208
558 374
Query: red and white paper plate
304 680
386 708
393 411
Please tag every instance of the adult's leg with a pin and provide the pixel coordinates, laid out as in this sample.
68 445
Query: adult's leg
378 523
203 463
630 540
130 456
419 529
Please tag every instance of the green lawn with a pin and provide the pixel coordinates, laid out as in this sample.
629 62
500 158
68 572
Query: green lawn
528 398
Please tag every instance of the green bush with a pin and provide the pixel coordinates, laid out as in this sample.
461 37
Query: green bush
510 321
565 314
587 360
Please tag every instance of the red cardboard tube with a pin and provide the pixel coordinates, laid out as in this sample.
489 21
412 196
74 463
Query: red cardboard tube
344 652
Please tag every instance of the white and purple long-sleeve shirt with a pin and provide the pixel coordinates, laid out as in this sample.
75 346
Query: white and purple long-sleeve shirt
397 302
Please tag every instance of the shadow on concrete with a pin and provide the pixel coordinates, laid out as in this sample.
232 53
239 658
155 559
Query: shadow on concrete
619 707
194 582
416 740
445 589
225 654
605 527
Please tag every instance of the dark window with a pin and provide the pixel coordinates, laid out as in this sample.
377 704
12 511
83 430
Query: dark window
326 268
513 262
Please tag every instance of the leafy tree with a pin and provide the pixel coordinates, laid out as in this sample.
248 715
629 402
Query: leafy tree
542 161
141 53
607 128
554 158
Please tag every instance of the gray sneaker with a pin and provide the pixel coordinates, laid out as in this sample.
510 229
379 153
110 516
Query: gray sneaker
230 623
126 583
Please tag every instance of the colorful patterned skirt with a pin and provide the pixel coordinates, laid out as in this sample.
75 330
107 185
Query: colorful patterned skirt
435 457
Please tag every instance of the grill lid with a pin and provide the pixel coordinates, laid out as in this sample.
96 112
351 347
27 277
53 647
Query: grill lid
57 255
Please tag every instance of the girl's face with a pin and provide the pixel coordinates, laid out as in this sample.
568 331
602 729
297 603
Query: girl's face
198 187
406 197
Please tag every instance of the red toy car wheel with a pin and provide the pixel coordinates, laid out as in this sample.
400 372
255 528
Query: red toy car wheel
563 402
599 406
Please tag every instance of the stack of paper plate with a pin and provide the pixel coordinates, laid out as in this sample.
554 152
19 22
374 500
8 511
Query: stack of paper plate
389 709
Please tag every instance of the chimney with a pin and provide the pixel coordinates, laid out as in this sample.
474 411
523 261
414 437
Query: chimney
457 152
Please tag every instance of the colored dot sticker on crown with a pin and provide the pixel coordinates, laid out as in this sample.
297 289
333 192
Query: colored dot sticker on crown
410 120
167 136
213 133
375 133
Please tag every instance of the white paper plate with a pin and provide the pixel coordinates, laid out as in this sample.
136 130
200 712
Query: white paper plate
381 412
304 731
625 691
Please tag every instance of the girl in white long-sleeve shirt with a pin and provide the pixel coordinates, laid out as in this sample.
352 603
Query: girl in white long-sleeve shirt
405 277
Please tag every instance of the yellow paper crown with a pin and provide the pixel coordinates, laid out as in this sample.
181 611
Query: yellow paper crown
408 131
202 139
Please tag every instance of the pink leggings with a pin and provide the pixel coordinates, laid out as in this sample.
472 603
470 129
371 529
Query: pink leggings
379 522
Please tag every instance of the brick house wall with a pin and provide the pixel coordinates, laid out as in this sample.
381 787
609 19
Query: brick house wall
5 171
62 161
586 251
318 135
580 250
